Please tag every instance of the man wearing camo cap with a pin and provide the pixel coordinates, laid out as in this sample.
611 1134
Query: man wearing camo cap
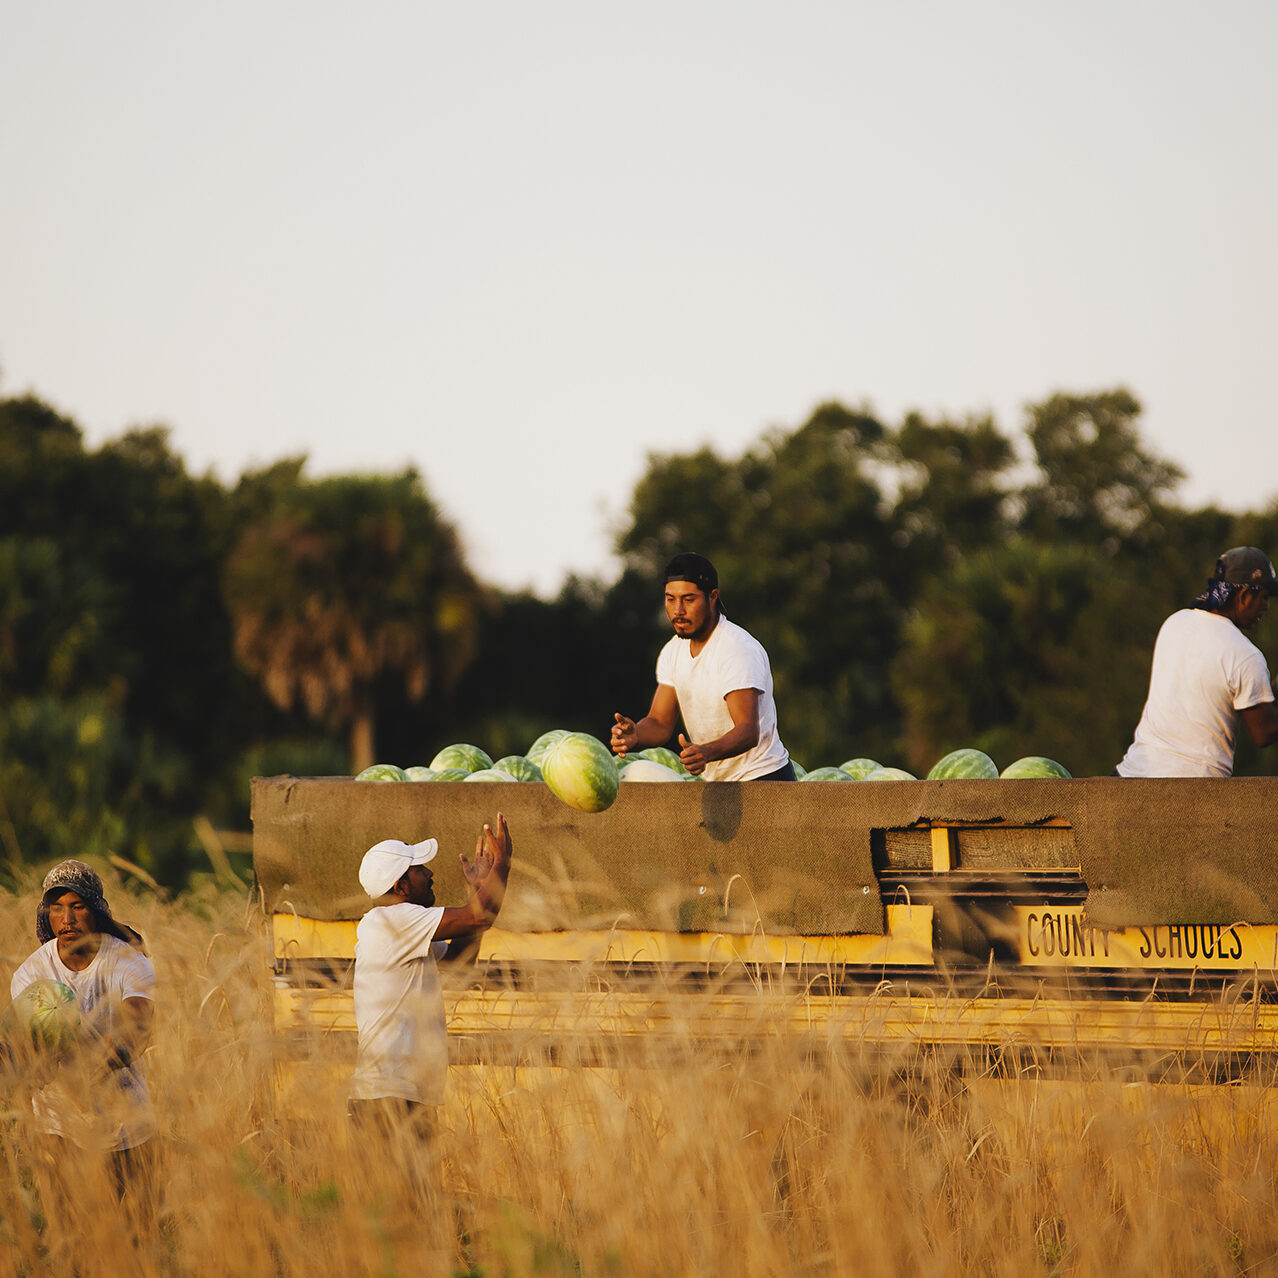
1207 675
103 962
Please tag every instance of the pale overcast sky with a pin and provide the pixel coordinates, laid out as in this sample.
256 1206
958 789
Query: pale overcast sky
521 246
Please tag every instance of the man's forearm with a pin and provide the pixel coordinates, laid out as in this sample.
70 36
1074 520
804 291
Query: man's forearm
652 732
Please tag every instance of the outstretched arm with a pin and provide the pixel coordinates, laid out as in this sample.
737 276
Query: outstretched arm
743 706
653 729
486 875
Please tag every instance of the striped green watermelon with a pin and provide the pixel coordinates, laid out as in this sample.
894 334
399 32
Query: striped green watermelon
964 765
448 774
826 774
889 774
799 770
419 773
47 1011
461 755
1033 766
666 757
579 770
858 769
519 767
382 772
489 774
537 751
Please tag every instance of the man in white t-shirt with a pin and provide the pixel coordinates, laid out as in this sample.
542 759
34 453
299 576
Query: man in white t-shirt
97 1098
399 1007
717 677
1207 675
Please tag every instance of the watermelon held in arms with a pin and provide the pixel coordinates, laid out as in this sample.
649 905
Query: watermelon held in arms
537 751
826 774
382 772
859 769
520 767
47 1015
964 765
461 755
1034 766
579 770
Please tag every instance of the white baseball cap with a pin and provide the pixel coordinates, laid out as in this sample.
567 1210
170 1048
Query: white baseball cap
384 863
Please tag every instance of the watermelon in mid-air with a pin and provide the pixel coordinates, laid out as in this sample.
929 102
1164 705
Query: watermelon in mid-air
461 755
520 767
47 1014
382 772
537 751
1032 766
579 770
964 765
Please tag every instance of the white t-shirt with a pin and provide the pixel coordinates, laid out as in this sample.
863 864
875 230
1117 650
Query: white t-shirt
399 1006
117 1114
731 660
1205 670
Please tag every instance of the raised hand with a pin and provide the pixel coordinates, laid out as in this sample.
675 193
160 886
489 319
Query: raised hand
624 735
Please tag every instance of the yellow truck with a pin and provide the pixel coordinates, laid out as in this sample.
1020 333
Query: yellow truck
1054 920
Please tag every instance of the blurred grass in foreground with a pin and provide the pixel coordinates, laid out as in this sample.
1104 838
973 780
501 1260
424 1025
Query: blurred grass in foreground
772 1159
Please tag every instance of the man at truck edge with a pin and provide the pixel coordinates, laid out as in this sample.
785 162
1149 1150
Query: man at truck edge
717 677
1207 675
402 1059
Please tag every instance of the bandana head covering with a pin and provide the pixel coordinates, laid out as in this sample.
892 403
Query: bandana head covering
85 882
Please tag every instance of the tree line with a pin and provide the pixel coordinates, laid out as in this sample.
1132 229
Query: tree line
164 636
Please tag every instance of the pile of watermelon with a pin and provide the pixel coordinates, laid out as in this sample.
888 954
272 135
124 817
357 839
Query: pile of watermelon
579 769
966 764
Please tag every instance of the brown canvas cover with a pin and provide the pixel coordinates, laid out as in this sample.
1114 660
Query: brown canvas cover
788 858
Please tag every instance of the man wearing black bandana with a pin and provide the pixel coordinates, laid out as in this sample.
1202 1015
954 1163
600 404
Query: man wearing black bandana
715 676
1207 675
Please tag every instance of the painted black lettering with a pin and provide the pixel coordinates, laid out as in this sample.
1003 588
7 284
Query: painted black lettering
1146 945
1029 934
1158 949
1191 942
1049 934
1174 941
1236 952
1076 927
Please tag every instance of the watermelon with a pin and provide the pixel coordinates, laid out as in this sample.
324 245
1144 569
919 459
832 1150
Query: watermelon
889 774
826 774
47 1011
667 758
799 770
469 757
537 751
1034 765
419 773
447 774
488 774
382 772
648 770
964 765
519 767
858 769
579 770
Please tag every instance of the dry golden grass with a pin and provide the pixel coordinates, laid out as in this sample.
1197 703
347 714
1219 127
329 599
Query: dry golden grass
772 1156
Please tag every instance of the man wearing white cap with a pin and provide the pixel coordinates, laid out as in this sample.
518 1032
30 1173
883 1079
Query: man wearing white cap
1207 676
399 1006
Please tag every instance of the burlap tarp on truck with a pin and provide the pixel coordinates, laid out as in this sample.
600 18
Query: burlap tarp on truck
785 858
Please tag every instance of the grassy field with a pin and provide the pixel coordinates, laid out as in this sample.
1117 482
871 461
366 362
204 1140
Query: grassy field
769 1157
